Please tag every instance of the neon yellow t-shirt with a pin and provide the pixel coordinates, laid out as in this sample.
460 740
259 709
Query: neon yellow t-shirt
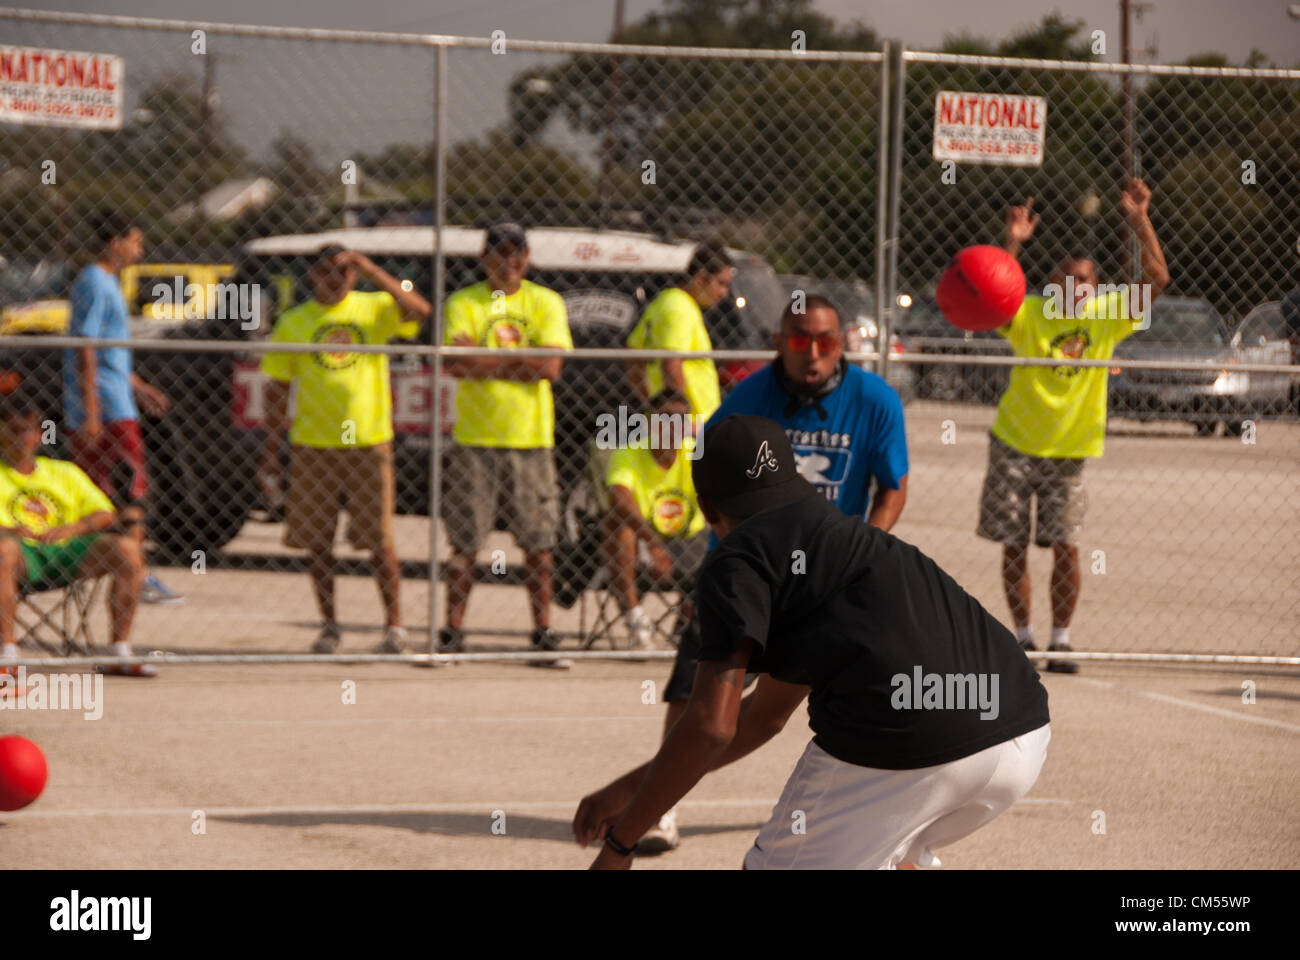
55 493
673 321
666 498
507 413
1060 411
344 399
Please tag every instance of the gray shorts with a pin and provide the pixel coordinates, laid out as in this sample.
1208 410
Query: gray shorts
1013 480
519 485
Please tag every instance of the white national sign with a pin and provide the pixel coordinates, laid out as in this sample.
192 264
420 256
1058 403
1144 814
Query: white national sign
60 88
995 128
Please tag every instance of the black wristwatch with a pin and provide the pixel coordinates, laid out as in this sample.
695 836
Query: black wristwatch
612 842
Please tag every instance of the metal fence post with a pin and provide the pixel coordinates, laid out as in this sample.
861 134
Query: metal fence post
897 66
436 332
882 205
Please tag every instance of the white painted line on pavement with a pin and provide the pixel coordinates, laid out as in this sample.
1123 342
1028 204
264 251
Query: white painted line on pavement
462 807
1191 704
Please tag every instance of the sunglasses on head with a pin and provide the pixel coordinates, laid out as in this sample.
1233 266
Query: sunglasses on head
802 342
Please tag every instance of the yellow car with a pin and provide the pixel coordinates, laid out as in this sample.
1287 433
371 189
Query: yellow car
155 293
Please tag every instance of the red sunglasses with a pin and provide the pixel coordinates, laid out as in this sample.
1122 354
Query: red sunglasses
801 342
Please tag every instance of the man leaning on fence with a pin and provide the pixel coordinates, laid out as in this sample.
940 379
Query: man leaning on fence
674 320
341 440
505 428
57 527
1051 420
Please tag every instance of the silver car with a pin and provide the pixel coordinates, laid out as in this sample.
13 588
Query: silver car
1208 392
1262 338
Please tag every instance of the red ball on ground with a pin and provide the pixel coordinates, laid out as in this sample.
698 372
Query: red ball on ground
22 772
981 288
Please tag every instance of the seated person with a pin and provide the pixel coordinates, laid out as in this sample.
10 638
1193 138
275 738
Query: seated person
652 503
55 529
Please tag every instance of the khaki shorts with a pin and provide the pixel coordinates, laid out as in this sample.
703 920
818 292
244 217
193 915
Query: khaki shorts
519 484
1013 480
324 481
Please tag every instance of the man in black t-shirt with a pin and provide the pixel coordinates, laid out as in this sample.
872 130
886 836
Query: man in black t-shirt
928 719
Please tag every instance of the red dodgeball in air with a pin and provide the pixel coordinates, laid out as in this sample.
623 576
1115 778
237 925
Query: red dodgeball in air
981 289
22 772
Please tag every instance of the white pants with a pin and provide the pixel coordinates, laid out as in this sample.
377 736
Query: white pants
834 815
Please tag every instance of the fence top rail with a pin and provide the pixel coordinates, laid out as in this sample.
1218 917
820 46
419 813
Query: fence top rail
612 353
1090 66
435 39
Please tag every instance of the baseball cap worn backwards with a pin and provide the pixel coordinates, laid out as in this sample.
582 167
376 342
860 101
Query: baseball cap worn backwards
746 466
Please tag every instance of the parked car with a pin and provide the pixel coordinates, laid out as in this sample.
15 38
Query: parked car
856 304
1191 330
925 331
1262 338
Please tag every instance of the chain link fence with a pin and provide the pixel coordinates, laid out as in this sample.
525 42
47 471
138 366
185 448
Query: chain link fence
521 495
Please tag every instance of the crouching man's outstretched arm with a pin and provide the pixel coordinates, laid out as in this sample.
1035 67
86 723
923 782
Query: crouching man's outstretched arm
763 714
711 733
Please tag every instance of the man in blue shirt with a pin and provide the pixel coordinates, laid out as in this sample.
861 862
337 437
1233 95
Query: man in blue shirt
846 428
844 423
100 390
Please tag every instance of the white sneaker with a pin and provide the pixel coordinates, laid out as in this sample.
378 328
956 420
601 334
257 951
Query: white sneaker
640 632
394 641
663 836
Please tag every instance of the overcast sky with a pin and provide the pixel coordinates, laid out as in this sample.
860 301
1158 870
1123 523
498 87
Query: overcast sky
344 98
1181 27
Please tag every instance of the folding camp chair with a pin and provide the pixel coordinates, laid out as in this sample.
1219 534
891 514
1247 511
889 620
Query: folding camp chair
582 576
56 618
600 618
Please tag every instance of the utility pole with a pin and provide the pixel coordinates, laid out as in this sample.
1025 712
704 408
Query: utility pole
205 138
611 119
1129 160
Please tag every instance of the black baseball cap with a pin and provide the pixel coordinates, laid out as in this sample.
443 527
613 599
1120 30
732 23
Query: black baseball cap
507 231
746 465
328 252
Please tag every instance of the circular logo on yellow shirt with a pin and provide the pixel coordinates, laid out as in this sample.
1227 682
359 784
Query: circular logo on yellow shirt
35 510
1070 346
672 513
505 333
340 333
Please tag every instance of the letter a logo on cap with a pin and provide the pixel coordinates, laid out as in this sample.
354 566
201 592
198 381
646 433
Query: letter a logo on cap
766 459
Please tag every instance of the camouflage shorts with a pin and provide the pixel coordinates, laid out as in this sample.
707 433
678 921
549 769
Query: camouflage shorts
1014 479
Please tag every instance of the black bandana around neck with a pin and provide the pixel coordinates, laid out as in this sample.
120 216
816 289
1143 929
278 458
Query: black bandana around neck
801 398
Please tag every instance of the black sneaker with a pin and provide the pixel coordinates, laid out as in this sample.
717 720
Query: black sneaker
544 638
450 640
1026 645
1061 666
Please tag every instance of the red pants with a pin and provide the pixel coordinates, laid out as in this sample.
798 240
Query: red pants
114 459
